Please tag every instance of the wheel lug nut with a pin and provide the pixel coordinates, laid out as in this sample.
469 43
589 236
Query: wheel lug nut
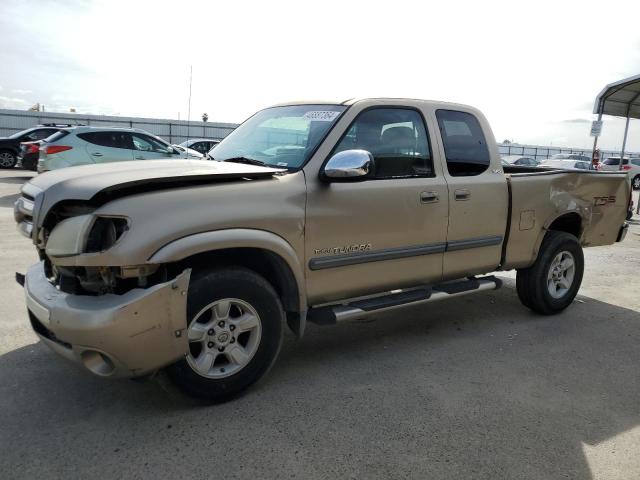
233 339
221 349
210 344
210 332
232 327
221 324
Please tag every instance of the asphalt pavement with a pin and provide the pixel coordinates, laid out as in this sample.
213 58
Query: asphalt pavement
477 387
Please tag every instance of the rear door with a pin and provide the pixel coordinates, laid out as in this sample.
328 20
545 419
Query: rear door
107 146
478 196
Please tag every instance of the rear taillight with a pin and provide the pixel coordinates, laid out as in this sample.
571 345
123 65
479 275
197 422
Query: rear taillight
626 167
51 149
32 148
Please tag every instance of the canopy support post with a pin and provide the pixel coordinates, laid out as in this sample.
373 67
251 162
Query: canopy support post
624 143
595 141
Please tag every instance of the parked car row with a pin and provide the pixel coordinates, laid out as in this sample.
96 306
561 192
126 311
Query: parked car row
10 146
51 146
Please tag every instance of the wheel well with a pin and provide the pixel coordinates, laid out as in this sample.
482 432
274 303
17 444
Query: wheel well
569 223
267 264
10 150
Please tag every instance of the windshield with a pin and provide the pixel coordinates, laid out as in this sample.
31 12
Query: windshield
279 136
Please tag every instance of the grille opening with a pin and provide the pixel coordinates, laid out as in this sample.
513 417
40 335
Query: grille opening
40 329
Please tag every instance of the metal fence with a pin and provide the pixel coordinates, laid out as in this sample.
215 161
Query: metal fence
540 152
174 131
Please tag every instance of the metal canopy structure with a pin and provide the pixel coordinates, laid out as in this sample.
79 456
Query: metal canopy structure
619 99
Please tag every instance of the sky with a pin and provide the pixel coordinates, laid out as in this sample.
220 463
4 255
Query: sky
533 67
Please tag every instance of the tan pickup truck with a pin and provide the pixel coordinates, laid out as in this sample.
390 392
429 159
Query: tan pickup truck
307 212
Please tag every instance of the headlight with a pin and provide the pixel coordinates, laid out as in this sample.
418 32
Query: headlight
85 234
104 233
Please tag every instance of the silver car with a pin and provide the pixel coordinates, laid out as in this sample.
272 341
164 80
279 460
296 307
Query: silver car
520 160
86 145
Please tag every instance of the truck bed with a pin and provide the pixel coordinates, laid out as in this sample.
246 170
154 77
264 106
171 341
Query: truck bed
594 203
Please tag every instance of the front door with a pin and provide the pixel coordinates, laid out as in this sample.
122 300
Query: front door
386 232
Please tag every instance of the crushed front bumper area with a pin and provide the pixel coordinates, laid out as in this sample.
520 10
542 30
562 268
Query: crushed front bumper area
110 335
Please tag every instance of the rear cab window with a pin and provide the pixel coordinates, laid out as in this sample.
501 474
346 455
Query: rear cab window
465 147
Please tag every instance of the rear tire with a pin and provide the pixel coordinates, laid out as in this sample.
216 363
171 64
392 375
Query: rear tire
552 282
234 324
636 182
8 159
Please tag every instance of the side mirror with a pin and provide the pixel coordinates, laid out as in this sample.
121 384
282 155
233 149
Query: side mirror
171 150
349 165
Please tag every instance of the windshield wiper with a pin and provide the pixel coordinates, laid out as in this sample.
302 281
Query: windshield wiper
248 161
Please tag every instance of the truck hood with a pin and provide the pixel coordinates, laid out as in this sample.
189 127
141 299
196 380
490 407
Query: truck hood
101 183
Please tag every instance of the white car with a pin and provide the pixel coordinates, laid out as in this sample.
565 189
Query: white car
566 164
202 145
190 152
570 156
631 166
520 160
86 145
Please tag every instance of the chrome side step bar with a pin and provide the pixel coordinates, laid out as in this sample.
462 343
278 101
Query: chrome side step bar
332 314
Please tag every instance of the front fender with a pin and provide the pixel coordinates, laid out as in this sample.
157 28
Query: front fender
235 238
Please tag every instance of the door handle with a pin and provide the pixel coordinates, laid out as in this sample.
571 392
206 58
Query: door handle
96 154
462 195
429 197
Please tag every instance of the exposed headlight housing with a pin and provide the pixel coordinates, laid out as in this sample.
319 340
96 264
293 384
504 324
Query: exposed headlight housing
85 234
104 233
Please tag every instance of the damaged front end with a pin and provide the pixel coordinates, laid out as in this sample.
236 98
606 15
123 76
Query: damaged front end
115 321
116 336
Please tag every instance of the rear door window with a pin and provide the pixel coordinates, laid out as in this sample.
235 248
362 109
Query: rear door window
465 147
108 139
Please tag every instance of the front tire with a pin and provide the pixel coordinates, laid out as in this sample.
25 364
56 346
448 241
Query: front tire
552 282
636 182
234 324
8 159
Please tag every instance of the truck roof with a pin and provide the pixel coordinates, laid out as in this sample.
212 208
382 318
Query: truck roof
381 100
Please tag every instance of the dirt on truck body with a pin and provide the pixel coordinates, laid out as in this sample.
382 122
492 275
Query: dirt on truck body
309 212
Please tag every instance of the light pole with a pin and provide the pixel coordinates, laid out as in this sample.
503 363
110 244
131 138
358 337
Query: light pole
205 117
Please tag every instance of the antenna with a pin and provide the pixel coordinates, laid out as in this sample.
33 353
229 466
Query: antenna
189 109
